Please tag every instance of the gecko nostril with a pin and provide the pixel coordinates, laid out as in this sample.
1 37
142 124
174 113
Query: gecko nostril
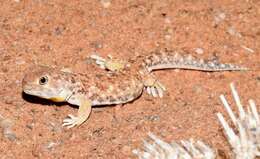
24 83
27 86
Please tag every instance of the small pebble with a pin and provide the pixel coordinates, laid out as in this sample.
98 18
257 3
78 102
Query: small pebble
105 3
167 20
153 117
51 145
19 61
199 51
167 37
198 89
9 134
219 17
6 125
232 31
59 30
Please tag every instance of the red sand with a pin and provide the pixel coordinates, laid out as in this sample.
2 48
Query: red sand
65 33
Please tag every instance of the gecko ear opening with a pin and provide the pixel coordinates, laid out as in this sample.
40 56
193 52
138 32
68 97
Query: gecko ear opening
43 80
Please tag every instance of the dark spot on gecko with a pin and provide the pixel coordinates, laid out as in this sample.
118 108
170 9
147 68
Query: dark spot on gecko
81 90
100 100
112 99
73 80
55 77
66 78
99 75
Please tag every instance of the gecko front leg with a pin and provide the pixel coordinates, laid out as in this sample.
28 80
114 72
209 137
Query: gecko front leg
83 114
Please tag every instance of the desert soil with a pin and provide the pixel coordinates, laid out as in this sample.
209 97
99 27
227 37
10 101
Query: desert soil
64 33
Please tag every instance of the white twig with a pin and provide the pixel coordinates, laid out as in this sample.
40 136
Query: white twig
187 149
228 109
246 143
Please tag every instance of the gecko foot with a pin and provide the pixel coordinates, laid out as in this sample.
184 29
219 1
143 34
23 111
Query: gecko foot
71 121
156 89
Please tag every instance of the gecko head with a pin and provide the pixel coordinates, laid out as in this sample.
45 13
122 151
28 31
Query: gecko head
49 83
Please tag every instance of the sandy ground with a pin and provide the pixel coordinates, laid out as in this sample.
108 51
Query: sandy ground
64 33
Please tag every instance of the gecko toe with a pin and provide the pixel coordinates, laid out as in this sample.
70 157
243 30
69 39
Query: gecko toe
148 89
70 122
71 116
154 92
160 92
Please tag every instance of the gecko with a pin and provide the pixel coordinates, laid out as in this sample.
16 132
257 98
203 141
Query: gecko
118 82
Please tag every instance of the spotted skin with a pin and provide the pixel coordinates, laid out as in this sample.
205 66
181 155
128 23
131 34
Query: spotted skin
114 86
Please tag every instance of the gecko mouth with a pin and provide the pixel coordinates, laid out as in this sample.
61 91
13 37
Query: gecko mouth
54 95
35 93
39 92
28 90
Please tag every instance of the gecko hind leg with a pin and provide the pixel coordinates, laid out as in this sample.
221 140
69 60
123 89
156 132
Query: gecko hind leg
153 86
109 63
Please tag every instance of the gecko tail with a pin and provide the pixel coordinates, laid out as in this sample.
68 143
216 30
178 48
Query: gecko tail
173 60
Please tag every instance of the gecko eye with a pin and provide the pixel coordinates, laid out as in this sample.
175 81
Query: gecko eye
43 80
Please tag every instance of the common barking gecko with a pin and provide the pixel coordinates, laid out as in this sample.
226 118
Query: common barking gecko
122 82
